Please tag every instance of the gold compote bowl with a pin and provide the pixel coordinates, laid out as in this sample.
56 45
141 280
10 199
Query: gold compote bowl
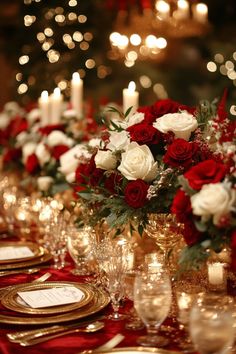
166 231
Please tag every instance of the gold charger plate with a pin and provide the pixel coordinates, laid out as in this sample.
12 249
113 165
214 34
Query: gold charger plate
99 301
28 263
37 250
136 350
12 300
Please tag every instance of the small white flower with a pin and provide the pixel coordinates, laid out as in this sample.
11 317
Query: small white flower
138 162
96 143
42 154
118 140
69 114
27 150
136 118
44 183
12 108
105 160
181 124
214 200
33 115
57 137
70 159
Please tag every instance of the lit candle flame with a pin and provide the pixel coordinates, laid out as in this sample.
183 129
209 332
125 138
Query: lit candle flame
44 95
131 86
76 77
57 92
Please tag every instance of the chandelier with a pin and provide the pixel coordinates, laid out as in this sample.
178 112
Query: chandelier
143 32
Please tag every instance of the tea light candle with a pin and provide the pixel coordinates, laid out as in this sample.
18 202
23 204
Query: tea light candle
216 273
130 260
56 106
200 12
130 98
77 94
44 104
184 301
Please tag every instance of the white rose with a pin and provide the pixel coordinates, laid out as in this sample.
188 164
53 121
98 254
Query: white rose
12 108
69 114
105 160
118 141
213 200
57 137
42 154
181 124
21 138
70 159
33 115
4 120
27 150
44 183
138 162
70 178
135 119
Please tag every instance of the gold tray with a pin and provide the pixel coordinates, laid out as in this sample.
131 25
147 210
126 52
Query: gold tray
37 250
99 301
11 299
28 263
136 350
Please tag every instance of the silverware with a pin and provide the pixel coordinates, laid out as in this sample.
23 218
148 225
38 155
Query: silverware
40 332
41 279
112 343
4 273
90 328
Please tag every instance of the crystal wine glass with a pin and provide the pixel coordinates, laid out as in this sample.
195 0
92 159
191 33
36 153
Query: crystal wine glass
152 301
211 324
79 247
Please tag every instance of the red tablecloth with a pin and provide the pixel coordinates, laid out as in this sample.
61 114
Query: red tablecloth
71 343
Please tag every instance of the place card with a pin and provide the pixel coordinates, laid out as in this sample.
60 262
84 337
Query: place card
15 252
51 297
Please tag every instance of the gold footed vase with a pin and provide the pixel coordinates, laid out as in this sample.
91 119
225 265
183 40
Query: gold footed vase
167 233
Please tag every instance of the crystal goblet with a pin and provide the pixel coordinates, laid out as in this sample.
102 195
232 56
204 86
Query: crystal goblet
152 301
211 324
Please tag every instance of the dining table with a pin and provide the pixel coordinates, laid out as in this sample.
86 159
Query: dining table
77 342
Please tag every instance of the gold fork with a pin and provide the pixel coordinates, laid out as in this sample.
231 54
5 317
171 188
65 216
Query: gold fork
41 279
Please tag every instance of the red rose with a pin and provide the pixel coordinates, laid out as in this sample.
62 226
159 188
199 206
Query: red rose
181 206
136 193
17 125
180 153
191 234
113 182
32 164
162 107
205 172
143 133
11 155
96 177
50 128
59 150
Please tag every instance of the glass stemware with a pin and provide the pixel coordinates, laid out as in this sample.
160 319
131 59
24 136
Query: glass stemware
211 324
79 247
134 322
152 301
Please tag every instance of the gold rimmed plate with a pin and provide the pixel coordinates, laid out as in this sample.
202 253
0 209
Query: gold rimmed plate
99 301
137 350
46 256
36 250
13 302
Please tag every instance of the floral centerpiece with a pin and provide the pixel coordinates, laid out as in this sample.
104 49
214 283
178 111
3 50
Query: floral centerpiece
135 170
35 150
206 201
